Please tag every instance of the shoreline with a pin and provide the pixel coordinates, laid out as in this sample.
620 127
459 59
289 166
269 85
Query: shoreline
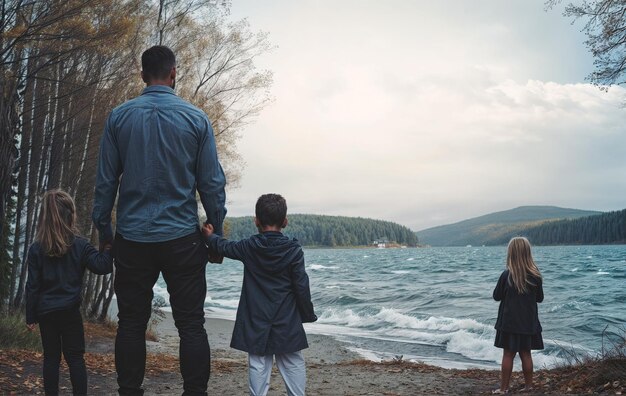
322 348
332 369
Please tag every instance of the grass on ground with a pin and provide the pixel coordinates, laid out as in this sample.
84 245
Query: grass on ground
15 335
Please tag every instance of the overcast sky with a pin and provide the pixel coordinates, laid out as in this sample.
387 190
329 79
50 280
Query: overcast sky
429 112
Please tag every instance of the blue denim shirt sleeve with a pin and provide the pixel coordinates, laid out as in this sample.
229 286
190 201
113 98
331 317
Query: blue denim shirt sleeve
107 181
211 180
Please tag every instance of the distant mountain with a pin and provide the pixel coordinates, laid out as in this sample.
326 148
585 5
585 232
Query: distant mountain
329 231
492 228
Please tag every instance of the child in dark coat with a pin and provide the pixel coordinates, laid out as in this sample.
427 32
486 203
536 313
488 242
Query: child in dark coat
518 330
275 298
56 263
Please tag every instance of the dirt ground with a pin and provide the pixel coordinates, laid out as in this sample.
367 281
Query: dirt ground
340 372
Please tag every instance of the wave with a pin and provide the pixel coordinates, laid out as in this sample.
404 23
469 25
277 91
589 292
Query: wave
160 291
575 305
473 346
389 318
392 319
314 267
218 313
463 336
224 303
398 319
401 272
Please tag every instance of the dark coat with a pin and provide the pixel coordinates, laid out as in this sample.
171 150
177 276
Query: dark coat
275 295
518 313
54 283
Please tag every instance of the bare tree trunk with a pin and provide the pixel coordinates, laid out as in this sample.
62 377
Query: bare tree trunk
109 297
36 166
57 136
23 172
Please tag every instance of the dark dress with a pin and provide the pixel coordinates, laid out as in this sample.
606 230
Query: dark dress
275 296
518 327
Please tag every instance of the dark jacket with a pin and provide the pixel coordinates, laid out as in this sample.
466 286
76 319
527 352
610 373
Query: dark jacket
275 296
54 283
518 313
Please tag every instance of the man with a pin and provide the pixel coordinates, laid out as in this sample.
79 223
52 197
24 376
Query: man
159 150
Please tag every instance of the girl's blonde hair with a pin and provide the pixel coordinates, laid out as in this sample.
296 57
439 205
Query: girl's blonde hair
520 263
56 227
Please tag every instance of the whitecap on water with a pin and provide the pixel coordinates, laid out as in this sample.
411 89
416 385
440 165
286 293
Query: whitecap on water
570 305
398 319
320 266
161 291
473 346
345 317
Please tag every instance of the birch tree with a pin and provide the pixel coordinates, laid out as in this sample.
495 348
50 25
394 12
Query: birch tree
65 65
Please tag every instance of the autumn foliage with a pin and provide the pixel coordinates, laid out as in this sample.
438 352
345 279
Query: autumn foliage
65 64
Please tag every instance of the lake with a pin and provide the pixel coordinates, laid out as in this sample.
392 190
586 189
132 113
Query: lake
434 304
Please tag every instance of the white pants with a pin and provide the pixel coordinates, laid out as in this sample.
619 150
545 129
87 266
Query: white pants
290 365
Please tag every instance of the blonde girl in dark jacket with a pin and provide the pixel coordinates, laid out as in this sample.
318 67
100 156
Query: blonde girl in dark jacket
56 263
518 330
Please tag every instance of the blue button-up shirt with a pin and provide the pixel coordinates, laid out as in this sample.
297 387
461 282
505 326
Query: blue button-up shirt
159 150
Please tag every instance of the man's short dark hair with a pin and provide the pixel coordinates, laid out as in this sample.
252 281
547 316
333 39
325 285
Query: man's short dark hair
271 210
157 62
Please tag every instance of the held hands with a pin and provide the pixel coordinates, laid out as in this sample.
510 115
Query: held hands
105 245
31 326
207 230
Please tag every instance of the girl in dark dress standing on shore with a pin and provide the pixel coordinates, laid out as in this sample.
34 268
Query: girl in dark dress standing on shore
518 330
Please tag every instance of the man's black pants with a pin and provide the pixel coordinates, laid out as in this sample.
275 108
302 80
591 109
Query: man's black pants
182 262
62 331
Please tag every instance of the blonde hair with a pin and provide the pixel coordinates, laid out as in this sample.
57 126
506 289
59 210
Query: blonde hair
56 227
520 264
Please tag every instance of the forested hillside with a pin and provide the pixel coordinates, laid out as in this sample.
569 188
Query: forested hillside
604 228
493 228
331 231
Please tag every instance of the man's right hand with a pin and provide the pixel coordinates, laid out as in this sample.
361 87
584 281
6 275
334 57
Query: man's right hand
207 230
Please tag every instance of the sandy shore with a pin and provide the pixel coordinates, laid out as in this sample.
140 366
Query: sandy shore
332 369
322 349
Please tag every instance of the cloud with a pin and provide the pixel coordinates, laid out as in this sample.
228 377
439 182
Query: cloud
376 117
446 146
